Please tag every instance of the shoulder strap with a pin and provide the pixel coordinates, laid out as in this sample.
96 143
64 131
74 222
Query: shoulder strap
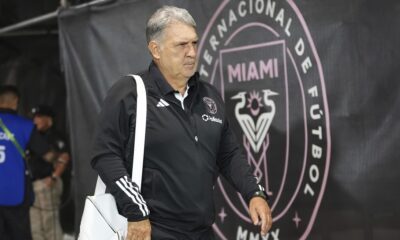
140 133
12 138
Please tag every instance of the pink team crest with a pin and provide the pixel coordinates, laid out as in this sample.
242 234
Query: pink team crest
261 57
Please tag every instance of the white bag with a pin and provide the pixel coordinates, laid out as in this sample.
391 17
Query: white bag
100 218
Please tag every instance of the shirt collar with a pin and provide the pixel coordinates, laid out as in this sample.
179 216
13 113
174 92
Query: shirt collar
182 98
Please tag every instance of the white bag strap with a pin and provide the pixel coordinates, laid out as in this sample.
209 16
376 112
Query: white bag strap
140 133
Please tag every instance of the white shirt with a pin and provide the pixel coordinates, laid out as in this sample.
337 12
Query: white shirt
182 98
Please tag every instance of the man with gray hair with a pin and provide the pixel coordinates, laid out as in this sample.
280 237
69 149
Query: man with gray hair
184 154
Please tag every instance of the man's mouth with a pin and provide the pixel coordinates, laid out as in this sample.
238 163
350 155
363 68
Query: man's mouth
190 65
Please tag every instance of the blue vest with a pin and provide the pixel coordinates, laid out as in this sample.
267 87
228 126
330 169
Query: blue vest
12 164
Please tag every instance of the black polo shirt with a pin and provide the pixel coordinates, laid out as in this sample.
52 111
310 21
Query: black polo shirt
39 166
185 150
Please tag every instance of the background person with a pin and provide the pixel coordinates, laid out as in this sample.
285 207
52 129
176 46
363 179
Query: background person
47 184
15 182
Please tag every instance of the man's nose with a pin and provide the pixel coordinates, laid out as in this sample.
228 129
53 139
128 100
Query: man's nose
192 51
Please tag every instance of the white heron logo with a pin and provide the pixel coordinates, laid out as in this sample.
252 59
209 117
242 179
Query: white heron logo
255 131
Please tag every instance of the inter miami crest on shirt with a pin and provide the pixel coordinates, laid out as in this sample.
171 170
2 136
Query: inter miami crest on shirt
211 105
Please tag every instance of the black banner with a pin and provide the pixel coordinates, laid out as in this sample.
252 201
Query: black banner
311 89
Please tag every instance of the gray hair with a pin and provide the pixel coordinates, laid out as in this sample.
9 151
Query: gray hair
164 16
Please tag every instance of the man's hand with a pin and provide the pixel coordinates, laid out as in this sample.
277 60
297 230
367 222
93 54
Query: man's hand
260 214
139 230
49 182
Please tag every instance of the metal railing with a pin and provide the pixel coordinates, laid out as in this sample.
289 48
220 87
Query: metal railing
5 31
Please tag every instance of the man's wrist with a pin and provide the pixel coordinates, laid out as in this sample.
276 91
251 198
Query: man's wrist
54 177
261 194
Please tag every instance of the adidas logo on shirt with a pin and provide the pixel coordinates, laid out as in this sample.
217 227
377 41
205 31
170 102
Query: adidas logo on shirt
162 103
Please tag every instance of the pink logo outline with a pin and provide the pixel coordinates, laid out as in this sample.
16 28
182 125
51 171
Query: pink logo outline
324 99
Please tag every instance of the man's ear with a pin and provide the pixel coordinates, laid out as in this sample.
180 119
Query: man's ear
154 49
51 121
14 103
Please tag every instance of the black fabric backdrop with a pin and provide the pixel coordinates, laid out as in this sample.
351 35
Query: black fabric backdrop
32 64
357 43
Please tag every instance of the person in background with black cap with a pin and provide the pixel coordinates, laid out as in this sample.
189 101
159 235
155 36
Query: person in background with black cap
17 134
47 184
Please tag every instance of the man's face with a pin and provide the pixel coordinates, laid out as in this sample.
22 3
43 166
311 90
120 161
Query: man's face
42 122
177 58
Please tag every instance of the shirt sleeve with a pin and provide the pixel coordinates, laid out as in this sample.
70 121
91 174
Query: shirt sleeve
112 146
59 142
233 167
